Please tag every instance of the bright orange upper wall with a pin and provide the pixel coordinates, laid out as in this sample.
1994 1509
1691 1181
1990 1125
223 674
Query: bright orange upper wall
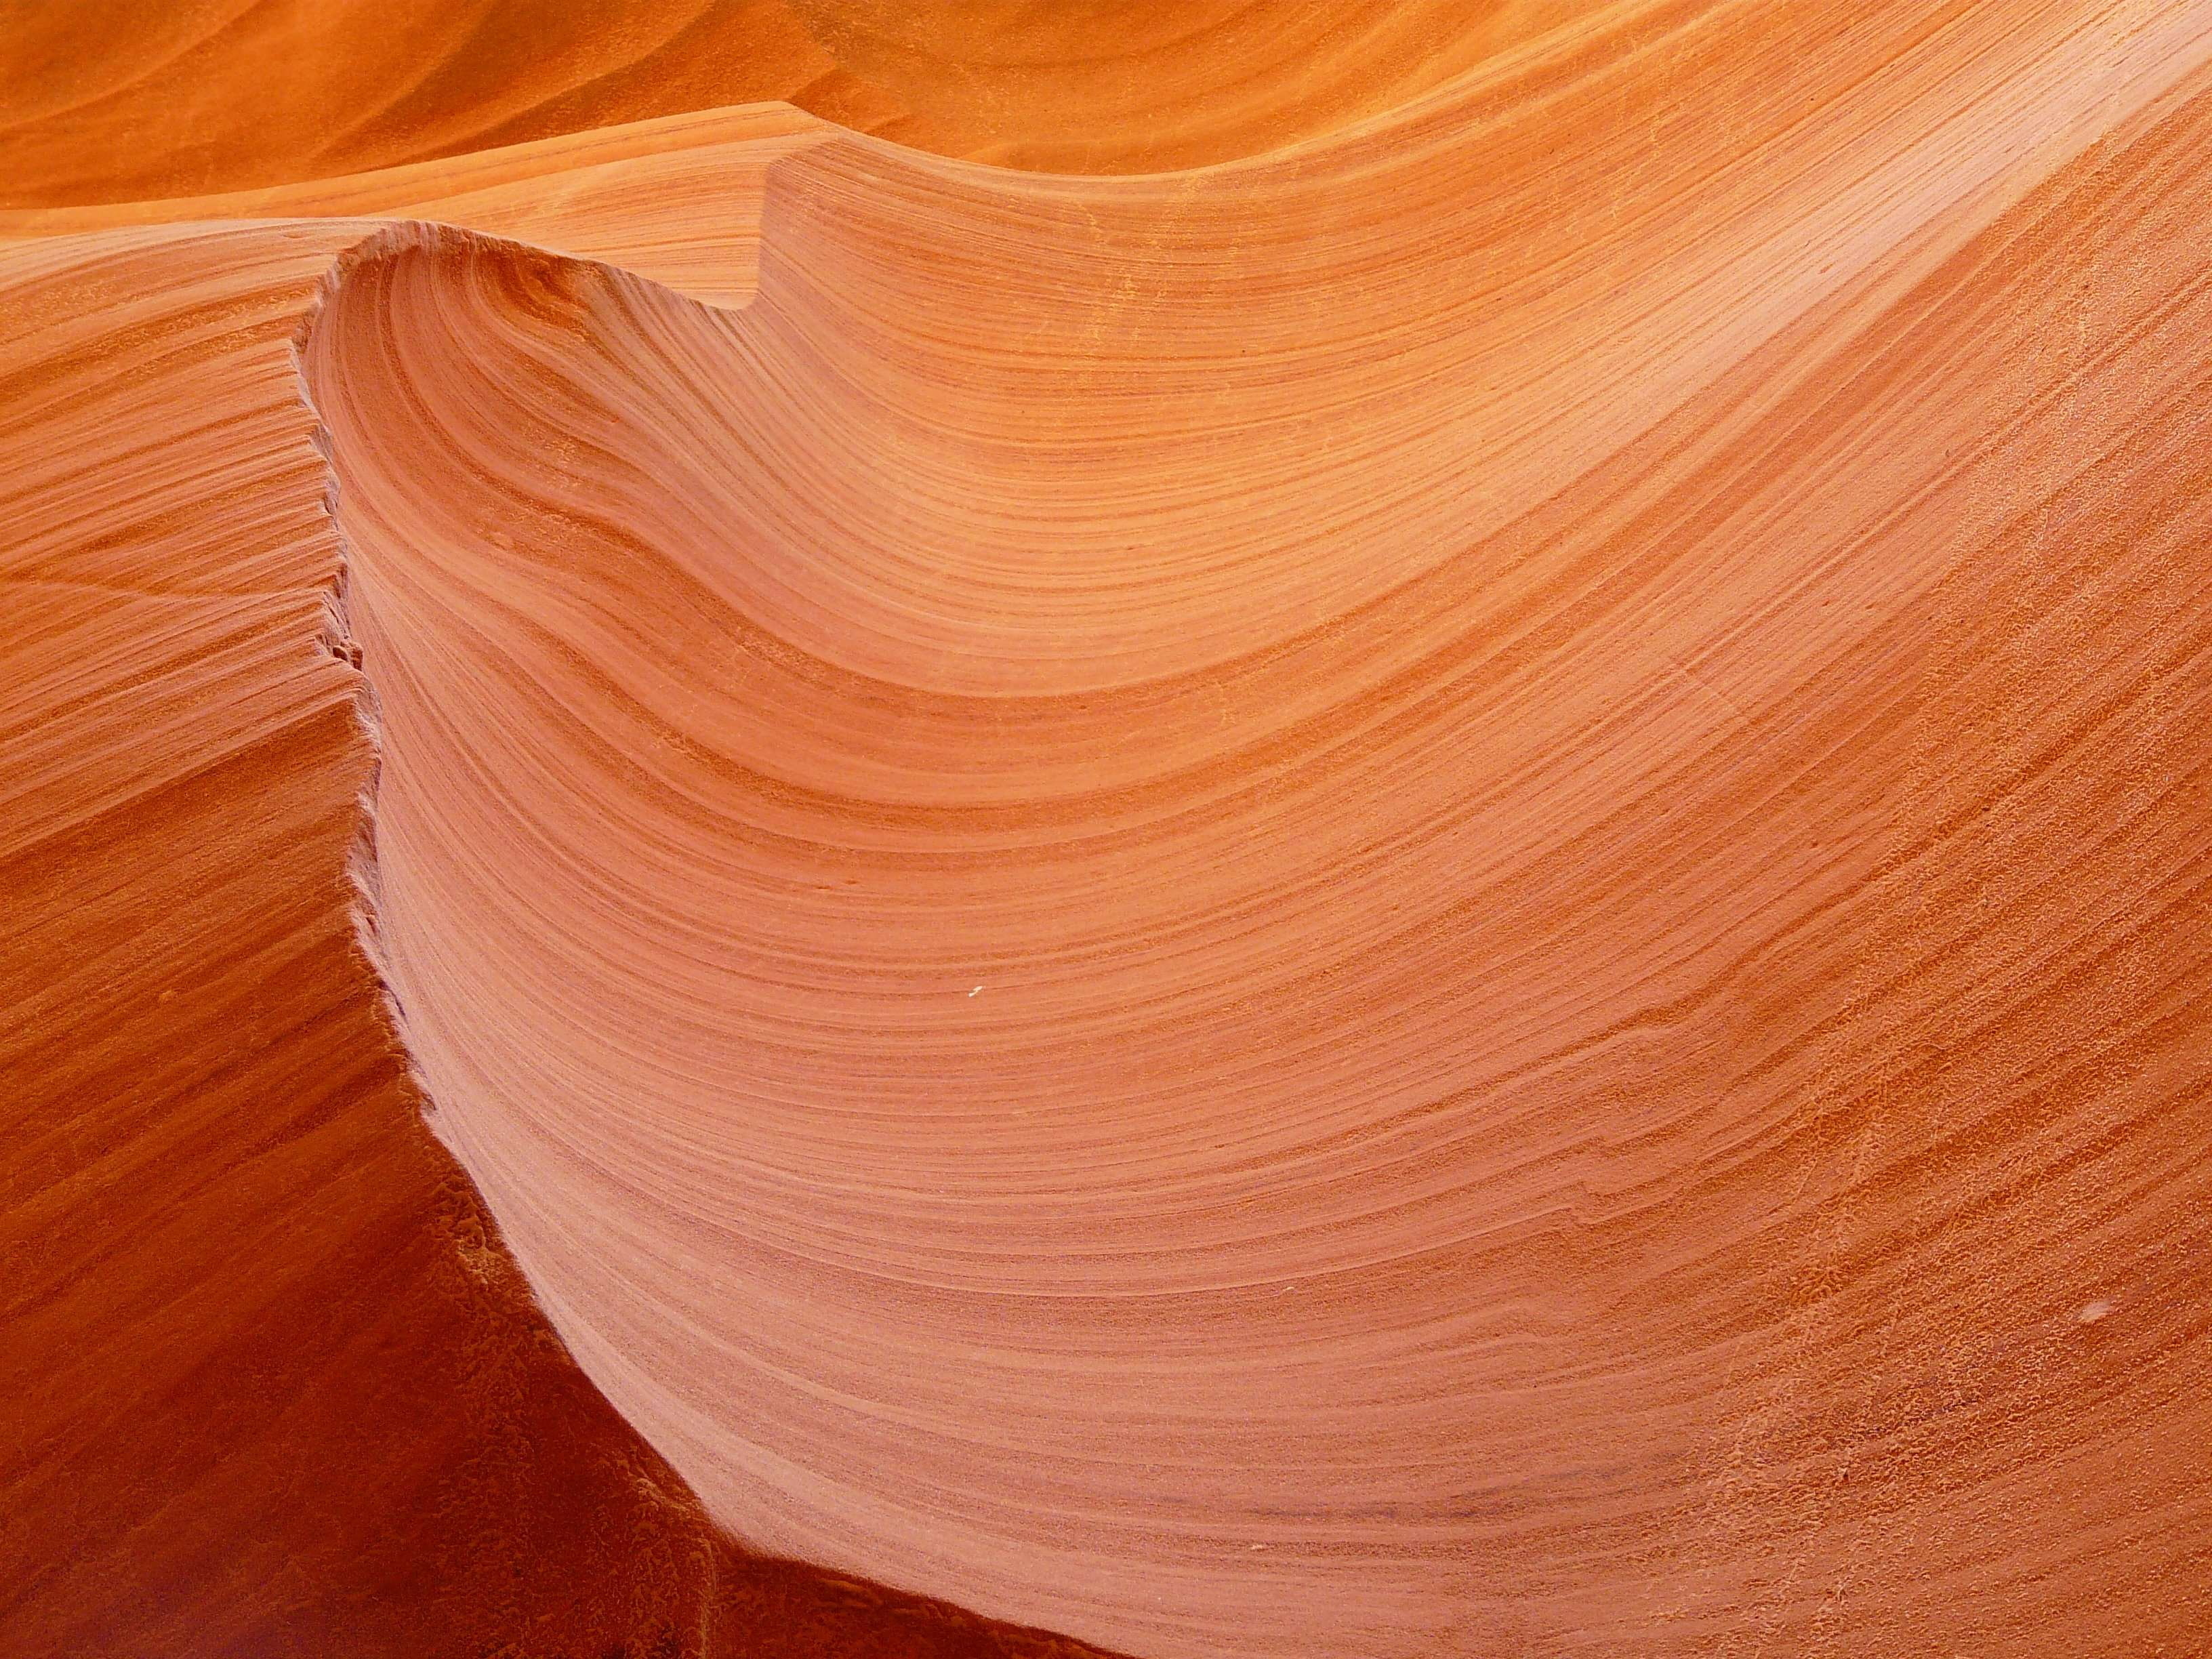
104 101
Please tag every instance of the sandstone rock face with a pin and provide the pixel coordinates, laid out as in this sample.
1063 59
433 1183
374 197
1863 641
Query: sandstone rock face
1441 891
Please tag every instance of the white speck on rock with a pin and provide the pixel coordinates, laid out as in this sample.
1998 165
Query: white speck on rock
2094 1312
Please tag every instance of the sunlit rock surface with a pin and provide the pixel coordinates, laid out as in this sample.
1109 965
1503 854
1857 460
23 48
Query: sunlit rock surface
1441 890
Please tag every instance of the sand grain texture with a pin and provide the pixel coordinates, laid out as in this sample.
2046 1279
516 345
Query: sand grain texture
1442 891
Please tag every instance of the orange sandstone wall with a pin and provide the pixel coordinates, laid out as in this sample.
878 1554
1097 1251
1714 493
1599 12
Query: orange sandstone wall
107 100
269 1382
1442 892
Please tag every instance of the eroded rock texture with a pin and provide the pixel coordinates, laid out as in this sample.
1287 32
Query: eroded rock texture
1444 891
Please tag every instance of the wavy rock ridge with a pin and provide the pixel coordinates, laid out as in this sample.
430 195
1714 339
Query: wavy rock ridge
1442 894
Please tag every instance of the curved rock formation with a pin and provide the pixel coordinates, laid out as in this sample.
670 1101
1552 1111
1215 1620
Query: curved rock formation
1442 894
271 1382
110 100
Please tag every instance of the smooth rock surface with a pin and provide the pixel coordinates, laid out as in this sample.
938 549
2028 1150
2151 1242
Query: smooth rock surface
1443 892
